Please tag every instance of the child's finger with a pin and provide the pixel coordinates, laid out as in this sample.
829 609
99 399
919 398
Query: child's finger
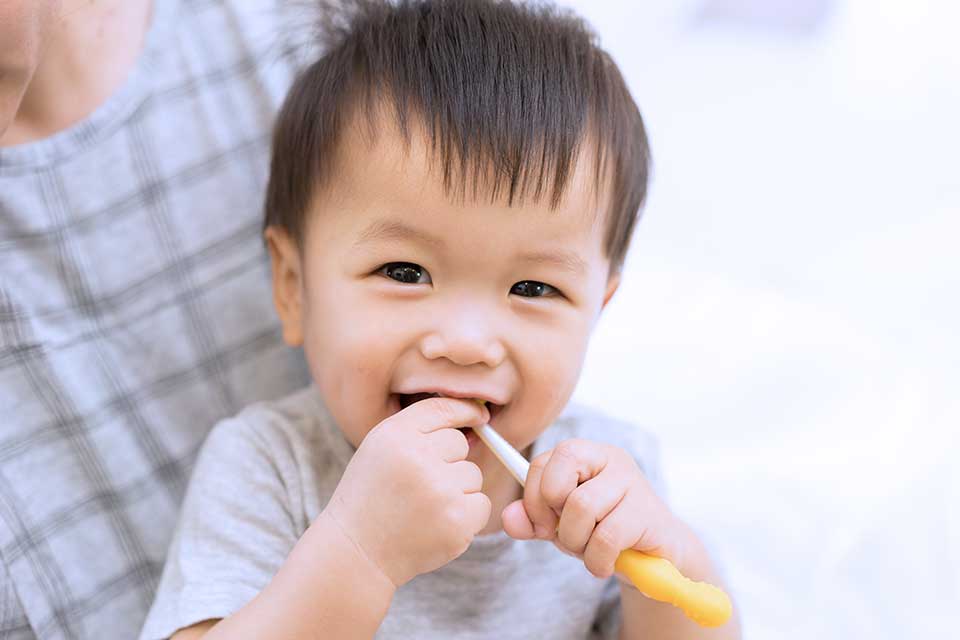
450 443
443 413
468 475
571 462
477 512
616 532
587 505
516 523
541 515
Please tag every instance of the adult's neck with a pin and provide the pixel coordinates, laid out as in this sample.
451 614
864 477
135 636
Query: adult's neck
90 51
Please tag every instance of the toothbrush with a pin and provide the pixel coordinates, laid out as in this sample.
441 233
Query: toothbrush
656 578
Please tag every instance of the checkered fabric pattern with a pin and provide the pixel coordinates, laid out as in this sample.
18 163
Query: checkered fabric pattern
135 311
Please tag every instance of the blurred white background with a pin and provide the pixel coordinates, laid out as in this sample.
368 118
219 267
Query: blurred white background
788 322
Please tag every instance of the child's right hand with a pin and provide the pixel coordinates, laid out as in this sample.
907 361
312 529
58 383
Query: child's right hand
409 498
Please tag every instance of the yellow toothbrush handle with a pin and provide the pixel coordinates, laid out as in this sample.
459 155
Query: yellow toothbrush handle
657 578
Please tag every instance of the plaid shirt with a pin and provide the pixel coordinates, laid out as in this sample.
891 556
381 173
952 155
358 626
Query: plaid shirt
135 311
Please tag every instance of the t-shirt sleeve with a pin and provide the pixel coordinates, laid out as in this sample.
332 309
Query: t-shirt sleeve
235 531
645 450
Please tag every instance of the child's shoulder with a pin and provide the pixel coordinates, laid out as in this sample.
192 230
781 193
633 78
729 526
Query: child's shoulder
296 422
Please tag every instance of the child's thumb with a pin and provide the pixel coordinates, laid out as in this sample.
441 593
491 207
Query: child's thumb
516 522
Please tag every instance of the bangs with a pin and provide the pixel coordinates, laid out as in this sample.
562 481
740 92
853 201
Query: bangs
509 98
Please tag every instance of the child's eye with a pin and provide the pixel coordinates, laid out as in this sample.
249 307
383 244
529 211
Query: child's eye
533 289
406 272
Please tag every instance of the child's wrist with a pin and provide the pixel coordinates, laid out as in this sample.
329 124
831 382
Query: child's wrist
378 577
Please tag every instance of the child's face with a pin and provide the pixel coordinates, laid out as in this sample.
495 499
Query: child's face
401 290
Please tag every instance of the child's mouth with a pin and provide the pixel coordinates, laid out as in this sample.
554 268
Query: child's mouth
407 399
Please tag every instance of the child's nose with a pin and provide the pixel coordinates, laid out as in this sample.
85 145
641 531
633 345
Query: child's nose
464 342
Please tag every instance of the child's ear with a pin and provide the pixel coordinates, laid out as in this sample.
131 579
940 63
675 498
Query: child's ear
613 283
287 283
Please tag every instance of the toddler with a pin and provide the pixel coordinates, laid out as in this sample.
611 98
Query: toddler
453 189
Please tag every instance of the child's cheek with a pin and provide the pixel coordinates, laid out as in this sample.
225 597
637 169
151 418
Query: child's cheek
555 371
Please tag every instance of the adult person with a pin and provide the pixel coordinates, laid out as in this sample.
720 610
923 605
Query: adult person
133 152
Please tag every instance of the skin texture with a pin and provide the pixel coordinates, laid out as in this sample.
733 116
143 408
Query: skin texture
24 26
60 60
460 326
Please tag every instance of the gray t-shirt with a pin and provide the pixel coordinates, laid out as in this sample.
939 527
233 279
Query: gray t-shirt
264 476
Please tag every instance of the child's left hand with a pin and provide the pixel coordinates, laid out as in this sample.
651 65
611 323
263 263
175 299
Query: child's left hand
601 501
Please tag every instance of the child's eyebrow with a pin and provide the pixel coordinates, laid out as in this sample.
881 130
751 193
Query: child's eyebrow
383 229
395 230
564 259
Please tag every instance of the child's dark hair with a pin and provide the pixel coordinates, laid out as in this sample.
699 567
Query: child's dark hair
507 95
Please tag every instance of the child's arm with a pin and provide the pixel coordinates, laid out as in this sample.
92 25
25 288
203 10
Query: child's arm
340 575
326 583
646 618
